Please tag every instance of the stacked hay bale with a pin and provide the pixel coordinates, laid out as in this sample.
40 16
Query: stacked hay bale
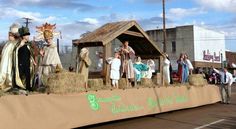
66 82
146 82
122 83
95 84
157 79
197 80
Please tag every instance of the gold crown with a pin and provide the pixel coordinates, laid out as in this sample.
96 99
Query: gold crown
46 31
46 26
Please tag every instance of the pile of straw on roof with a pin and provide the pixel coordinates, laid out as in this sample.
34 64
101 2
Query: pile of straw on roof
197 80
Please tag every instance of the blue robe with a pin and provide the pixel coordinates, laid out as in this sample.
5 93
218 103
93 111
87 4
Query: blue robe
185 72
140 67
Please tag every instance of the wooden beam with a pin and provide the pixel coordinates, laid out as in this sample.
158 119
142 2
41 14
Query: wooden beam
106 67
77 59
206 64
137 34
161 70
150 56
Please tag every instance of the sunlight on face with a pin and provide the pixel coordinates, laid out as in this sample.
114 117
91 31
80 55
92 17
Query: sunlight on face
49 40
26 37
11 37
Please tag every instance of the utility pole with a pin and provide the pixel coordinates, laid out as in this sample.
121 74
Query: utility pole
58 42
164 25
27 21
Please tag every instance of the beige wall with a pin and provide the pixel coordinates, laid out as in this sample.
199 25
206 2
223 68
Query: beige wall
191 40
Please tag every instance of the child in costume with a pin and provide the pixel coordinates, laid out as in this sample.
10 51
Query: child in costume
115 70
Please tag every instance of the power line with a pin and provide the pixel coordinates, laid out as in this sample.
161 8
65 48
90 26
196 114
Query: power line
27 21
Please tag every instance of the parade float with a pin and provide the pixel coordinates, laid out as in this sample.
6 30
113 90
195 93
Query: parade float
69 104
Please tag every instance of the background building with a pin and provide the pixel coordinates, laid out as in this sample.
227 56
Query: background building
231 61
203 46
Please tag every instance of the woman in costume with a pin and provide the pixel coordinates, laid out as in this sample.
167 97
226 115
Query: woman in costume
182 69
166 70
189 64
139 67
6 61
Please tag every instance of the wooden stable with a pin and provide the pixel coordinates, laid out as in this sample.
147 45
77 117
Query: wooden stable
123 31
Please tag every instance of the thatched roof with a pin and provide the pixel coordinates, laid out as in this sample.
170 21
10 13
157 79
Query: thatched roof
124 30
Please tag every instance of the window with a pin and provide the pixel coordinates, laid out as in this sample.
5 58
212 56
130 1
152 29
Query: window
173 46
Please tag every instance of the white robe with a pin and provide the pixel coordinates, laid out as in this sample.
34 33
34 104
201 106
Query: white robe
115 69
189 64
6 64
50 60
166 71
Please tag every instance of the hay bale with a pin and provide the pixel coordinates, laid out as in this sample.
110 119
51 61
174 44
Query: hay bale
65 82
146 82
157 79
95 84
197 80
122 83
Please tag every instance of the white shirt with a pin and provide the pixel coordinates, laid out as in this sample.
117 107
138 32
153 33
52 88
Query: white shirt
229 77
188 62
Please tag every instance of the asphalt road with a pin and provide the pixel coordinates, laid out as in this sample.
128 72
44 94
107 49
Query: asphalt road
215 116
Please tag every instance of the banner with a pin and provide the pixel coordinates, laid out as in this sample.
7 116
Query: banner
51 111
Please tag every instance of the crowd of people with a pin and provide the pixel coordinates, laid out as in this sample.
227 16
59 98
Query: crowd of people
24 65
185 68
125 64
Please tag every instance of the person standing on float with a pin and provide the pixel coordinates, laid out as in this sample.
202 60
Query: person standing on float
6 58
23 62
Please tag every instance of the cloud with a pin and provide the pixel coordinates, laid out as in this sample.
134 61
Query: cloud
114 17
179 13
91 21
220 5
155 1
79 5
151 23
74 29
13 13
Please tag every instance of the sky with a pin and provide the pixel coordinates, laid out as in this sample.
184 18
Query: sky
75 17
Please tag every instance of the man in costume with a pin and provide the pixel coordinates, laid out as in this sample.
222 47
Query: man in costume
84 63
6 61
127 55
23 62
50 61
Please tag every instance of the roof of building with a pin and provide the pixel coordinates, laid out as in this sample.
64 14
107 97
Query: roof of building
124 31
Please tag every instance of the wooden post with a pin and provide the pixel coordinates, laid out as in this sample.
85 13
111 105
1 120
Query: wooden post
161 70
77 59
106 67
